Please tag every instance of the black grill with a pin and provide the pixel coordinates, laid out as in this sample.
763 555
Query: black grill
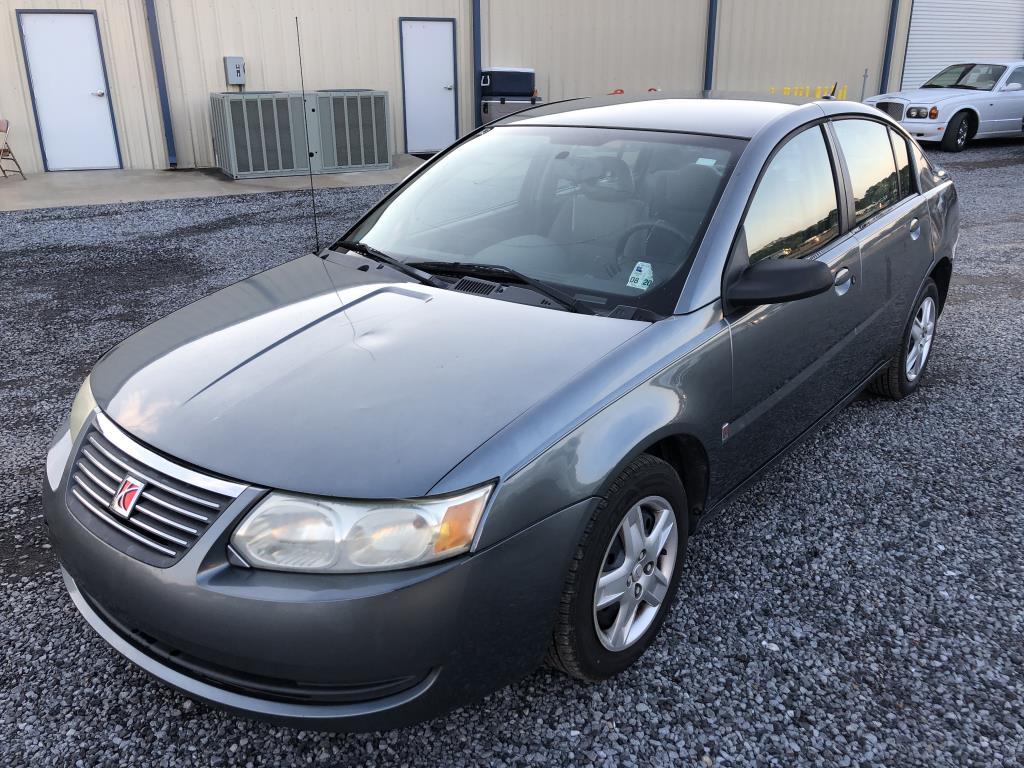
168 517
892 108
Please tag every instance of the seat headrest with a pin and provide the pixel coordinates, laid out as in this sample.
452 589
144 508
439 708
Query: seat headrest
690 188
606 178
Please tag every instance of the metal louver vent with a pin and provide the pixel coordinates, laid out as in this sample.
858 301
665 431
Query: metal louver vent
263 133
478 287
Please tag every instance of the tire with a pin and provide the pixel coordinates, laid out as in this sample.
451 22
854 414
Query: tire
956 135
584 641
900 379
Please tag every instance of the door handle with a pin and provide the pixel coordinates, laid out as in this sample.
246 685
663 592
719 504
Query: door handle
449 87
844 281
915 228
100 94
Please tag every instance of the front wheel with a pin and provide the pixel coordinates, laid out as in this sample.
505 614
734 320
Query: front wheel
955 138
625 573
903 374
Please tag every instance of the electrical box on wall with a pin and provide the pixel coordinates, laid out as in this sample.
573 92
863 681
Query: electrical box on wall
234 70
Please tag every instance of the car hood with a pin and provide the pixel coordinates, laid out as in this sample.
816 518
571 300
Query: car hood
317 377
924 96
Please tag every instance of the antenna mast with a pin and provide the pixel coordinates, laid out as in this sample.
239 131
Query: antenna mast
305 125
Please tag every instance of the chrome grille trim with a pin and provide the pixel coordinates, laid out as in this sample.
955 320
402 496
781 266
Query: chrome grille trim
892 108
167 505
149 480
172 511
159 464
165 521
116 525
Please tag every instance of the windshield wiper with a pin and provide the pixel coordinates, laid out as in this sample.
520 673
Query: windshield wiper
400 266
511 275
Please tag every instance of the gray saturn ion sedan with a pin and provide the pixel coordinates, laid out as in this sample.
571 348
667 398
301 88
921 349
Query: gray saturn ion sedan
474 434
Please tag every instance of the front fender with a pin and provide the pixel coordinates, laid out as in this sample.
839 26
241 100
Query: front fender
689 393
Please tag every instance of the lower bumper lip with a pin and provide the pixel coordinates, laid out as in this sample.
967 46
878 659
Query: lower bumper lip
306 714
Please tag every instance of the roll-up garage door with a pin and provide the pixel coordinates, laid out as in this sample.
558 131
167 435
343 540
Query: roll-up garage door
944 32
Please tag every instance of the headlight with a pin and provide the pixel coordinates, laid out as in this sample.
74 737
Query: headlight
81 409
288 532
920 113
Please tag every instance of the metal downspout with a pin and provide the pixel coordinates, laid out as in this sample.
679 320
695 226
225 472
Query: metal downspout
890 39
161 82
709 47
477 65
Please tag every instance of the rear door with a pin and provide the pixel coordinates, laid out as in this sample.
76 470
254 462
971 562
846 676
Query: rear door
792 362
891 224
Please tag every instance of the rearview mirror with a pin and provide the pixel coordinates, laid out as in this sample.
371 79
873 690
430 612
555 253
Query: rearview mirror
1012 87
773 281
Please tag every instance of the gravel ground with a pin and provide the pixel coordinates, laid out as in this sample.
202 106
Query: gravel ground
863 605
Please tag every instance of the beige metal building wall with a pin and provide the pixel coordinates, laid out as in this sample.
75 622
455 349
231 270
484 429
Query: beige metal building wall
588 47
796 48
345 43
130 72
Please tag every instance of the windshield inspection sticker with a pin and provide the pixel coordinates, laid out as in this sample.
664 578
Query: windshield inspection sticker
642 276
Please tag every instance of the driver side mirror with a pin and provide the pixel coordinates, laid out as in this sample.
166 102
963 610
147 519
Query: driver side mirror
773 281
1012 87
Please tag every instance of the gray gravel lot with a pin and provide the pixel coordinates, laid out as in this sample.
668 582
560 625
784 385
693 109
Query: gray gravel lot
863 605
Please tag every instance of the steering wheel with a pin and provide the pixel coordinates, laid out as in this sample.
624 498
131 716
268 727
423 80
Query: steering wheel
648 226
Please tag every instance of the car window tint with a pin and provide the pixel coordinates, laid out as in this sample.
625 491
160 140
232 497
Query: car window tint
1017 76
795 209
899 149
868 152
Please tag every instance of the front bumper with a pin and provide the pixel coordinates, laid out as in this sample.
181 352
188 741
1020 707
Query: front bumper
925 130
332 652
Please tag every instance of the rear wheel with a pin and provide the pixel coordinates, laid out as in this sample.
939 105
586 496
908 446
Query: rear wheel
957 133
624 574
903 374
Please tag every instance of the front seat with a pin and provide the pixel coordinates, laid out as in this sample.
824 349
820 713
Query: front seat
604 206
680 198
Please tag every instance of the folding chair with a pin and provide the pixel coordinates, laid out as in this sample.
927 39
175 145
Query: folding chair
5 152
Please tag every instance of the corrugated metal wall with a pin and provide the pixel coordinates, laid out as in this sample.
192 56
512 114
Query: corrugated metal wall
345 43
789 48
770 48
944 32
129 69
587 47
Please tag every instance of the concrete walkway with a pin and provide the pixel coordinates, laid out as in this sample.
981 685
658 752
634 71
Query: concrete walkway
51 190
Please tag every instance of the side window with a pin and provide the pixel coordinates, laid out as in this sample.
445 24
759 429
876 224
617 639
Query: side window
794 209
926 178
1017 76
899 150
868 152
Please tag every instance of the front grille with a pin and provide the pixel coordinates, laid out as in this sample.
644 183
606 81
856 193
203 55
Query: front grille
168 516
892 108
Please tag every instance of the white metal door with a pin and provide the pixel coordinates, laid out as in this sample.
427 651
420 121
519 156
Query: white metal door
428 83
944 32
69 90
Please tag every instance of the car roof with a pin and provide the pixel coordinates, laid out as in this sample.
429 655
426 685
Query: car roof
994 62
658 112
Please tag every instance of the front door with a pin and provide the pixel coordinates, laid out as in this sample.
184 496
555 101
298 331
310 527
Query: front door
1007 107
69 90
428 84
792 362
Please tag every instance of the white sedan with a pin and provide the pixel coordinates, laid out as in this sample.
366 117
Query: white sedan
964 101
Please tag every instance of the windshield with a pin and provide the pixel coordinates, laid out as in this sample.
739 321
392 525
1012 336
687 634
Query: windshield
977 77
609 217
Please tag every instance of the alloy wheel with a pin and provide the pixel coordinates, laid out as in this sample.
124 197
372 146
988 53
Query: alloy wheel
961 133
921 334
636 573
